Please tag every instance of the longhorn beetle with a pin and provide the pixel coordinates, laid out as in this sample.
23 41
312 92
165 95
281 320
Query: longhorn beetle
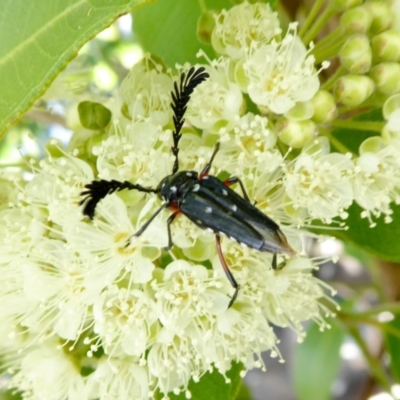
203 198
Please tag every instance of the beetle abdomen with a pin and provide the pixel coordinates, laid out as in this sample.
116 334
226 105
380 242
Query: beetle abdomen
209 203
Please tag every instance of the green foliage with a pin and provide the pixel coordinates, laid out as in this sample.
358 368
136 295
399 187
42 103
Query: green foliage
212 386
393 345
382 240
317 361
37 41
93 115
168 29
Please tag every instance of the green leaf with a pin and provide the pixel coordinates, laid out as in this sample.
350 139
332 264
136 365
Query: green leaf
393 348
38 38
212 386
168 29
316 362
382 240
352 138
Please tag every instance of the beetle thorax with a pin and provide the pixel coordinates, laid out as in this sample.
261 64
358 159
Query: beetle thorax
173 187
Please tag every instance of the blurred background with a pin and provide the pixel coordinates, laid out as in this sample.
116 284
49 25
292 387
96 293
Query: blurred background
348 359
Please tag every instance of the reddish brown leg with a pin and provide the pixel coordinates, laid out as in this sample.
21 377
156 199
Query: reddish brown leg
234 179
169 222
228 273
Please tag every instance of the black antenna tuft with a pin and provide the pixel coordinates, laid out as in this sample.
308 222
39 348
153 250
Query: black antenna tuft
97 190
180 98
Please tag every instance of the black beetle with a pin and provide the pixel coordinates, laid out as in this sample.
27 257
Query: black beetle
203 198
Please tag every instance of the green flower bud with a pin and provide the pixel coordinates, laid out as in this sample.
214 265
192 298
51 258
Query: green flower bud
386 77
301 111
352 90
205 26
343 5
93 115
356 20
386 46
295 134
391 105
381 15
356 54
372 145
324 106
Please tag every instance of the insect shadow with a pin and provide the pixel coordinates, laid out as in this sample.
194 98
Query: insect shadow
207 201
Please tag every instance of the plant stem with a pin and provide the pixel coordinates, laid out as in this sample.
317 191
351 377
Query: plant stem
328 52
203 6
328 39
318 24
335 142
375 367
384 307
333 78
359 125
311 16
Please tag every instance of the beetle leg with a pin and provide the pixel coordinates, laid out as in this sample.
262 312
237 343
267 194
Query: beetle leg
274 261
234 179
169 222
146 224
207 168
228 273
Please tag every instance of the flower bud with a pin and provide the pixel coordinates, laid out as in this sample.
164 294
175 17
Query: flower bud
205 26
356 20
324 106
381 16
391 105
386 46
93 115
301 111
352 90
343 5
356 54
386 77
372 145
296 134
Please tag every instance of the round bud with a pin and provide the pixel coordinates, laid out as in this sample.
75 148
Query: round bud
295 134
301 111
352 90
205 26
391 105
356 20
343 5
356 54
324 106
93 115
386 77
372 145
381 15
386 46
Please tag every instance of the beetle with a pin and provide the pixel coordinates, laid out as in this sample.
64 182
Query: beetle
207 201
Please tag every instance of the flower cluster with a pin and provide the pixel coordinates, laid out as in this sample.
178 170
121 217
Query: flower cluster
84 316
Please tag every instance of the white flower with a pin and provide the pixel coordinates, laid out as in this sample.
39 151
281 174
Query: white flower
376 181
48 373
118 156
247 144
123 320
117 379
105 242
279 74
244 28
317 183
217 100
147 92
